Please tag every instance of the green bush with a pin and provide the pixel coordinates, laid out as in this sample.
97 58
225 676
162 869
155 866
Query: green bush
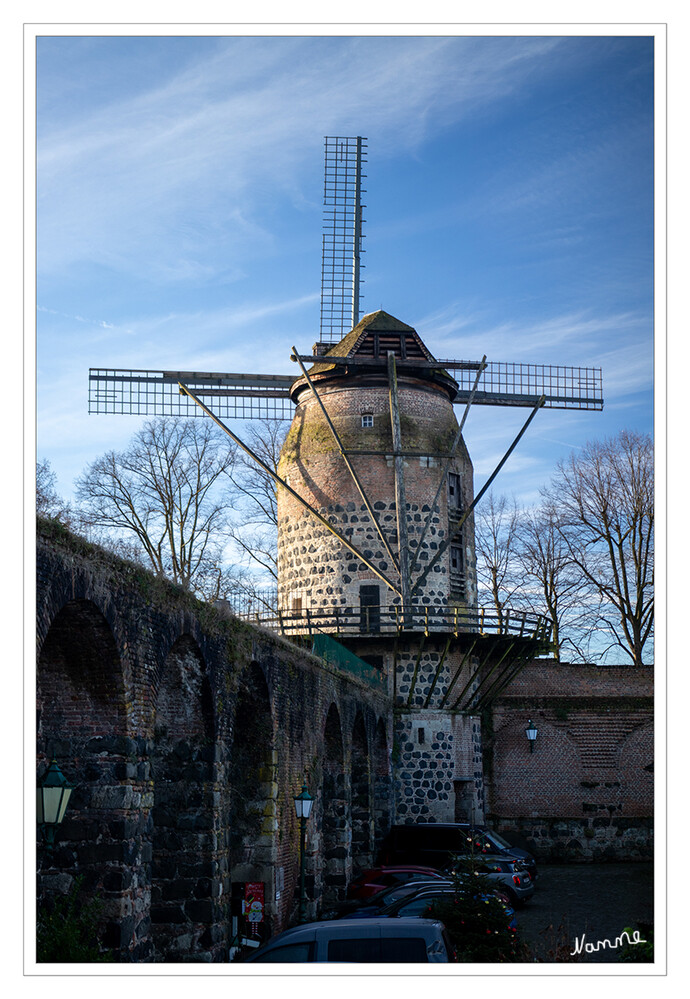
67 930
643 951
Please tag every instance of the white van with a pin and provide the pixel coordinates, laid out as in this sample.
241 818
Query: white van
360 941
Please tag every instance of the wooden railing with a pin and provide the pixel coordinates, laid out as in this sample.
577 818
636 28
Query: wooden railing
349 621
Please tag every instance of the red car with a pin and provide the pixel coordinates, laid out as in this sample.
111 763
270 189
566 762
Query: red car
370 882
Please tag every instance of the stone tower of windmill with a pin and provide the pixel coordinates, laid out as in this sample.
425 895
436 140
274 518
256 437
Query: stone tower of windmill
412 642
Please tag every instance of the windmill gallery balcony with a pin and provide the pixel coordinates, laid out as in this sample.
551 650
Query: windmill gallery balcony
367 621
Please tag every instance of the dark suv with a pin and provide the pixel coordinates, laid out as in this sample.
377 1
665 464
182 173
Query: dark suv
434 844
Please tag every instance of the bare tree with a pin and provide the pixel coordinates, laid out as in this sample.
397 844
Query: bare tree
604 500
496 537
254 527
48 503
165 499
552 582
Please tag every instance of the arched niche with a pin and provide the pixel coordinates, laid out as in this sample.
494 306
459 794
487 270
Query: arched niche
382 784
360 790
335 826
82 723
253 790
183 836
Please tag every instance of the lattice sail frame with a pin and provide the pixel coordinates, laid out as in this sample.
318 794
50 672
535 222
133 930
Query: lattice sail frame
342 235
258 397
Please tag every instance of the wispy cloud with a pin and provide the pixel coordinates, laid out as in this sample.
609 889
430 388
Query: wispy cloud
168 163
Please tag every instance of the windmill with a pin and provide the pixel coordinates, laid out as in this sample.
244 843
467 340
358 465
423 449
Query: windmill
359 359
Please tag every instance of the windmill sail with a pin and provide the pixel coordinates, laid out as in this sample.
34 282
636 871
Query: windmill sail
342 235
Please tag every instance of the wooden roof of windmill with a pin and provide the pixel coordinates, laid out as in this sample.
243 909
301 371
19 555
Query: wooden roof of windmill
373 336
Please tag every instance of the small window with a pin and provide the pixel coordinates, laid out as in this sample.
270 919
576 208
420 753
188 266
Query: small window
454 502
420 735
457 572
367 419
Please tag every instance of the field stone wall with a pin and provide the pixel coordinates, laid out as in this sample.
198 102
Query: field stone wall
313 564
138 692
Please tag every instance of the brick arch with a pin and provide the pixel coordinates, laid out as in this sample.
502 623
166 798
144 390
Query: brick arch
335 830
183 772
81 687
382 783
549 773
253 787
361 796
82 722
637 770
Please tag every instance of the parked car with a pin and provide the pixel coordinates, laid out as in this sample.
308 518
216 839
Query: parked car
366 941
489 841
507 874
369 908
434 844
417 902
370 882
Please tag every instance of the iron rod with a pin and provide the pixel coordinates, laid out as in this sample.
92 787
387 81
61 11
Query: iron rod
350 467
281 482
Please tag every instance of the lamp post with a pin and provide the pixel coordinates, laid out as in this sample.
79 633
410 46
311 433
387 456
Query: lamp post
303 803
52 794
531 733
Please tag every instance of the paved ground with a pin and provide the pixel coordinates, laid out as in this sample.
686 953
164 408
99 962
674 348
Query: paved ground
599 900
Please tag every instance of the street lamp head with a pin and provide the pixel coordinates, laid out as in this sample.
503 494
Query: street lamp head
531 733
303 803
52 795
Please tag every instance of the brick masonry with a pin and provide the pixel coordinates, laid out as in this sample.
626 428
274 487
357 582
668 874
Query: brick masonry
587 790
187 733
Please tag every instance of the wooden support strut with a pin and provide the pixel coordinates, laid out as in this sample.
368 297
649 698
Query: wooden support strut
455 533
502 681
492 670
400 504
274 475
468 655
438 672
473 676
350 467
413 681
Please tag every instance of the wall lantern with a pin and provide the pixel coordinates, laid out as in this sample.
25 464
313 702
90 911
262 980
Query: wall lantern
303 803
52 795
531 733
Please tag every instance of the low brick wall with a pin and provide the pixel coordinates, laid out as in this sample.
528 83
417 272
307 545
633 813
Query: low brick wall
586 792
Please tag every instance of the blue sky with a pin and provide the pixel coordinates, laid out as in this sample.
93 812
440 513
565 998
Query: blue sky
509 213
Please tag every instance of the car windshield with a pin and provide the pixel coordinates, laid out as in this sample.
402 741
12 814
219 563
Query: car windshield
498 840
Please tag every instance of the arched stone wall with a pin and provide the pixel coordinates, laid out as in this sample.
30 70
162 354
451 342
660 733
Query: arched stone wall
361 810
335 830
253 788
146 699
183 837
383 798
82 723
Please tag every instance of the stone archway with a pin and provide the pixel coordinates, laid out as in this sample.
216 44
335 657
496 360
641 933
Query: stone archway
184 849
362 820
253 790
335 831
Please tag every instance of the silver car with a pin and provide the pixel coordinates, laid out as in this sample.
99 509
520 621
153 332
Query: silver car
505 873
360 941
